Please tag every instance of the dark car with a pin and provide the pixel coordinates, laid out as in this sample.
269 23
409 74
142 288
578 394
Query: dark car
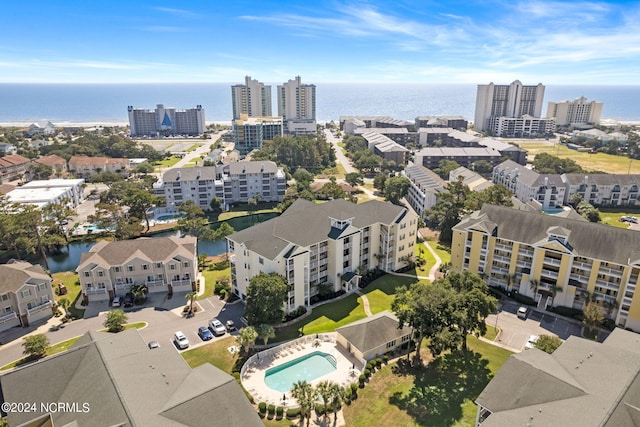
128 300
204 333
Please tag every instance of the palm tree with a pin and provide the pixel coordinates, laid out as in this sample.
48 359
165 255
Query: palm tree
337 395
303 392
247 337
511 280
555 289
534 284
609 306
191 297
64 303
324 390
266 332
139 293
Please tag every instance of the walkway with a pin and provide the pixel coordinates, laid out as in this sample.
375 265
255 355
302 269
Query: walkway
365 303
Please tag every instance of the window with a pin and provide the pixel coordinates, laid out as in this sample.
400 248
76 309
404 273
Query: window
130 268
391 344
8 309
117 269
158 265
186 264
26 293
172 267
5 297
100 273
87 274
45 299
145 266
42 287
261 260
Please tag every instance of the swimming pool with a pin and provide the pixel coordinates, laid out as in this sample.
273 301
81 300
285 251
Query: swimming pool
168 217
307 368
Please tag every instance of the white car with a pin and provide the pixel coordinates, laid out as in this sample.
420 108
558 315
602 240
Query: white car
181 340
522 312
531 342
117 301
217 327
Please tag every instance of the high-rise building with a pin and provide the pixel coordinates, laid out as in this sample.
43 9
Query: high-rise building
515 100
297 106
577 112
252 98
166 121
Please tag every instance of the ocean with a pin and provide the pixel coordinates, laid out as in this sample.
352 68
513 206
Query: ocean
107 103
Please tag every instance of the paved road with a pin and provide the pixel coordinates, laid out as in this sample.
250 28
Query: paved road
162 323
340 157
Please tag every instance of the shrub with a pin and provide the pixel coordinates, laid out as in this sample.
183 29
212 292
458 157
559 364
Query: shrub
568 312
262 407
295 313
385 359
523 299
279 411
293 412
319 409
361 380
367 373
271 409
378 363
354 388
609 324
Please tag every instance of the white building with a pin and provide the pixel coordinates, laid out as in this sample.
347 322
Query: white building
514 100
252 98
44 192
521 127
297 106
575 113
250 132
426 187
164 264
547 190
325 244
230 183
166 121
603 189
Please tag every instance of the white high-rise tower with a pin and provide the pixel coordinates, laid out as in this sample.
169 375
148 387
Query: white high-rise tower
252 98
297 106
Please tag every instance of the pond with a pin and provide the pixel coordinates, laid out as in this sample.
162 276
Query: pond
69 258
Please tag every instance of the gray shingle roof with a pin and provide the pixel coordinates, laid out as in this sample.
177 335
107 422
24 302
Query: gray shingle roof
16 274
583 383
588 239
305 223
372 332
125 383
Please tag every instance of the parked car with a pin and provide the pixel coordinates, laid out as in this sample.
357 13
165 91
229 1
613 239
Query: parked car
204 333
128 300
217 327
117 301
531 342
153 344
522 312
230 326
181 340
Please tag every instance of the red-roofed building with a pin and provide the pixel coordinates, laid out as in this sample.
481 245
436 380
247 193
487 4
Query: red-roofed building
86 167
13 167
57 163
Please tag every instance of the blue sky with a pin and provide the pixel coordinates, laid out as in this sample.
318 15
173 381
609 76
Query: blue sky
553 42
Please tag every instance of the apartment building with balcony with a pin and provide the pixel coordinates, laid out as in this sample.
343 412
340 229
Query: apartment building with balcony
426 187
86 167
166 121
297 107
603 189
250 132
26 295
165 264
235 182
328 244
386 147
557 261
548 191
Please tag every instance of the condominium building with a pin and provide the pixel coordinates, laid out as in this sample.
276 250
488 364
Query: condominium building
326 244
552 190
230 183
86 167
252 98
426 187
471 179
514 100
521 127
548 191
68 192
386 147
430 157
12 167
297 107
575 113
26 294
250 132
164 264
166 121
557 261
455 122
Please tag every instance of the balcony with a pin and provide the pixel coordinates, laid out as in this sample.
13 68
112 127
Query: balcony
549 273
607 285
156 282
95 291
7 317
38 308
180 282
552 261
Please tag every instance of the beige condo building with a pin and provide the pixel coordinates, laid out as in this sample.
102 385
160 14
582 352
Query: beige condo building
568 261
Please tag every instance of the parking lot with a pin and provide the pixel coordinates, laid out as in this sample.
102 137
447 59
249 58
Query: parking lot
515 331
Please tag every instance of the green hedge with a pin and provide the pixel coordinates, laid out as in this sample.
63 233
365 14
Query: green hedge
262 407
293 412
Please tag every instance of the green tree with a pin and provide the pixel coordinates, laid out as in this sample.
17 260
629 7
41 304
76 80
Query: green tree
495 195
593 317
216 205
193 222
139 293
302 175
449 209
39 171
246 338
445 167
548 343
64 304
304 393
139 201
354 179
324 389
191 297
265 332
35 346
588 211
266 295
396 188
115 321
482 167
379 181
545 163
223 231
333 190
337 395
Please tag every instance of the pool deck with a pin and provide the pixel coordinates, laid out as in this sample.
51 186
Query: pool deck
253 371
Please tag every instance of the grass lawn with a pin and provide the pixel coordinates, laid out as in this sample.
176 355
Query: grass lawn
381 292
611 216
135 325
54 349
74 291
435 395
166 163
443 252
492 333
421 250
234 214
190 165
215 353
210 279
337 171
601 161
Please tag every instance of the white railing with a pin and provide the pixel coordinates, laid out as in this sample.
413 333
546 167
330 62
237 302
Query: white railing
7 317
92 291
39 307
